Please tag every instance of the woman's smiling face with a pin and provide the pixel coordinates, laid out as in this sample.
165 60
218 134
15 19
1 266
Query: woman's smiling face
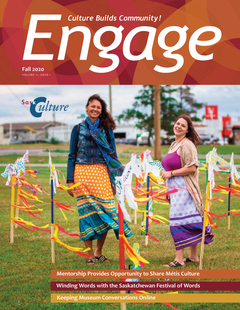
94 109
180 128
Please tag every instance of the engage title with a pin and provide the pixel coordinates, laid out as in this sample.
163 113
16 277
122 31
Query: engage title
121 36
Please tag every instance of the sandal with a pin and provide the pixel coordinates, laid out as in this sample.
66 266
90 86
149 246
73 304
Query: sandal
188 260
174 264
102 258
91 261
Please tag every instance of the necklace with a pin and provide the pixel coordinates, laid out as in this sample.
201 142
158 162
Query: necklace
174 145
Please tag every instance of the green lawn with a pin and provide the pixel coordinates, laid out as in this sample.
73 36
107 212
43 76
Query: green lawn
26 264
202 149
123 148
124 152
34 145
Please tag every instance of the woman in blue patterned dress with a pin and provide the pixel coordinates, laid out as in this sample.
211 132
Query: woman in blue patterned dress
93 163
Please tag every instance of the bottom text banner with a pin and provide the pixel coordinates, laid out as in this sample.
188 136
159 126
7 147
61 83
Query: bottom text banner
145 298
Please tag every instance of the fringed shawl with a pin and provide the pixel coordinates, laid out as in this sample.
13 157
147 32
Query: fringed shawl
115 168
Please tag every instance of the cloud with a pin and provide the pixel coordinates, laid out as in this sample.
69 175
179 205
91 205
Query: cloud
226 97
74 95
12 110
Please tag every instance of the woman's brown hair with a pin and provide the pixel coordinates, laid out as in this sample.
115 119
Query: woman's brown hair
106 120
191 134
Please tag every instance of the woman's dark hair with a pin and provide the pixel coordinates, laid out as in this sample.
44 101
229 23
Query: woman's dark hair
191 134
106 120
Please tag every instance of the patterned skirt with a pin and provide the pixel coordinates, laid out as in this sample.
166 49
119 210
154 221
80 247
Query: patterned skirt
186 223
95 202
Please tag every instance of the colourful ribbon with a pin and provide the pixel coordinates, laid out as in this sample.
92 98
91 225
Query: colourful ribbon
73 249
131 253
22 222
147 233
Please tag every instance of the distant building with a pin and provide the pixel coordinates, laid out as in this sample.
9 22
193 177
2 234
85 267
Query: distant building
236 134
26 132
127 131
60 133
199 127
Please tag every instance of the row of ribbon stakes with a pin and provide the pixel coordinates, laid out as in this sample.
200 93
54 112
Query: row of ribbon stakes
141 167
225 168
17 175
147 170
55 184
136 248
233 188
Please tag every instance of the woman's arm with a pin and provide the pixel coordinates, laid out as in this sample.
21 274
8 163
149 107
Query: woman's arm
71 191
72 155
111 139
189 160
179 172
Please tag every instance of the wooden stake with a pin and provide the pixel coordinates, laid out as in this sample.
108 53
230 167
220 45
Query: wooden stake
123 304
204 225
157 122
207 175
52 215
146 239
121 233
18 200
147 208
229 202
135 194
135 216
12 210
52 244
121 249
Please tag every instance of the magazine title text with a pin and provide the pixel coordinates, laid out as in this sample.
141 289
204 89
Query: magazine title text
126 39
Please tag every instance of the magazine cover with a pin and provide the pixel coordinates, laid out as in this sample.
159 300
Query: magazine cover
119 154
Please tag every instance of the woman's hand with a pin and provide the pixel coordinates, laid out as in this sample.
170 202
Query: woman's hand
168 198
179 172
71 191
166 175
113 190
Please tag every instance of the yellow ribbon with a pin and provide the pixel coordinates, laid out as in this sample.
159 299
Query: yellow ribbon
154 216
30 208
67 188
202 169
134 257
31 197
64 215
160 203
74 249
36 187
158 217
29 223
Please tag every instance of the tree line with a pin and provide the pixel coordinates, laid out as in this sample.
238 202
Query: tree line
175 100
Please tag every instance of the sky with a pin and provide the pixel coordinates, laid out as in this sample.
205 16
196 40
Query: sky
227 97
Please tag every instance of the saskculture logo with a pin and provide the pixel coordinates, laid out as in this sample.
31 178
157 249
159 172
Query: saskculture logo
37 110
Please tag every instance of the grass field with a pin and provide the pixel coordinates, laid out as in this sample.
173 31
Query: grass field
26 264
124 151
123 148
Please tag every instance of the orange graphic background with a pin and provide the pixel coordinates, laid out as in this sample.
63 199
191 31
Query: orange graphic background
224 68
